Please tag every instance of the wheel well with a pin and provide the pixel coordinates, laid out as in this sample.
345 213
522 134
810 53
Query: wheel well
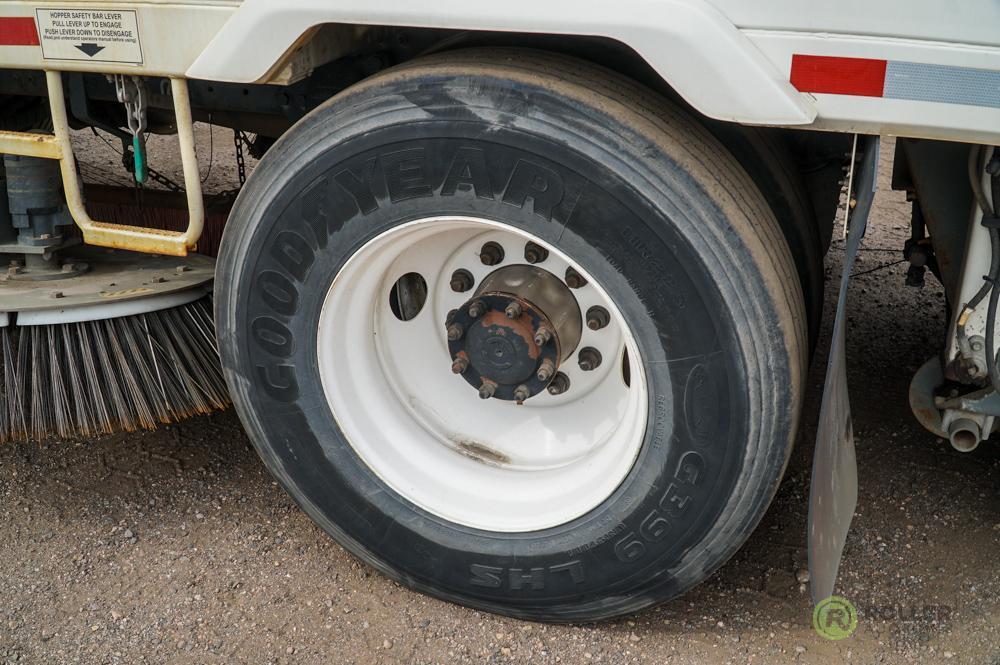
816 157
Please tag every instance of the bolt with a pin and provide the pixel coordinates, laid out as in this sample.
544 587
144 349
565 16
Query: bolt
455 332
543 336
546 371
491 254
521 393
461 281
477 308
14 270
513 311
559 385
67 267
487 389
57 294
574 280
535 253
182 269
452 313
597 318
459 365
159 280
589 359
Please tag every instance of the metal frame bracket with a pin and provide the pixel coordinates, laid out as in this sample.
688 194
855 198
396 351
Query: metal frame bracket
103 234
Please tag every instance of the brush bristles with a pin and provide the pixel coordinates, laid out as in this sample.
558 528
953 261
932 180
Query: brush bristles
98 377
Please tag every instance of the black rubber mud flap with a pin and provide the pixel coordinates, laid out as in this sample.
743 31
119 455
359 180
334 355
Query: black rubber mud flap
834 492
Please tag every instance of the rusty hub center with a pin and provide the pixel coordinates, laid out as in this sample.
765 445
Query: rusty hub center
504 343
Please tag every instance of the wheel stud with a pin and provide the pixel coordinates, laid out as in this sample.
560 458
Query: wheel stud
487 389
546 371
574 280
476 309
455 332
559 385
589 359
513 311
597 318
543 336
521 393
461 281
491 254
535 253
459 365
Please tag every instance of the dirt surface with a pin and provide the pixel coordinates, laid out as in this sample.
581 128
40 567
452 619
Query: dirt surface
176 546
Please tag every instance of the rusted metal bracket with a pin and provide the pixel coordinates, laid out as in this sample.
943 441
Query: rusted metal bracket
121 236
833 494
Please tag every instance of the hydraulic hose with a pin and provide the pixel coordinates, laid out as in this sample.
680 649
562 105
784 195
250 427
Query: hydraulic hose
991 310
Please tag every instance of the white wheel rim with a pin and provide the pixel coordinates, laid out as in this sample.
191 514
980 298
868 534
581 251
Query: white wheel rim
486 464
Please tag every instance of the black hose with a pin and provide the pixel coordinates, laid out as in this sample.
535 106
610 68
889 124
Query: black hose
978 158
991 356
991 309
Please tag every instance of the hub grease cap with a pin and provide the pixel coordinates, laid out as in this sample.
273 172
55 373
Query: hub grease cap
501 350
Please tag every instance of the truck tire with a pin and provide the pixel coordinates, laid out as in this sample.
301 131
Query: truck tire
770 163
358 357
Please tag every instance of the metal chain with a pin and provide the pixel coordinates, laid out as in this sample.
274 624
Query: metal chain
239 138
163 180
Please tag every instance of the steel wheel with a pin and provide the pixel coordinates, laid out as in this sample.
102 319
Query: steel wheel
491 463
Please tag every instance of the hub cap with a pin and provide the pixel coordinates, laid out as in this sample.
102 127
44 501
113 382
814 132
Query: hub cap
486 389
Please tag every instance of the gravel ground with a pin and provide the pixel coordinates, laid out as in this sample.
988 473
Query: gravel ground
176 547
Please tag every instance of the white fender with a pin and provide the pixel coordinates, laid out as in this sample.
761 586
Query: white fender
702 55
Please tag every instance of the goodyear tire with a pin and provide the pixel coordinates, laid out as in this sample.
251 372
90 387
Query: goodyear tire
631 485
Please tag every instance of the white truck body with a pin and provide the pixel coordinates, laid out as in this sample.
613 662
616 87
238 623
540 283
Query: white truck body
730 60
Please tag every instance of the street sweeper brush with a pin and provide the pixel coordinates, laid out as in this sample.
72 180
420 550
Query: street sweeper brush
95 340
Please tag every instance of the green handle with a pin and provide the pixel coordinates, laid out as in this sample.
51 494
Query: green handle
139 157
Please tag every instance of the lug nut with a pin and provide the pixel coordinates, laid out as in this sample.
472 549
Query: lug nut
543 336
574 280
535 253
521 393
491 254
513 311
455 332
546 370
589 359
447 319
461 281
597 318
476 309
487 389
459 365
559 385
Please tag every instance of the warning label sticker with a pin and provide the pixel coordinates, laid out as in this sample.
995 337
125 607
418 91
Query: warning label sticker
101 35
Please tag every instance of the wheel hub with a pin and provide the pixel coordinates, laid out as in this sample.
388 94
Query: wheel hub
503 356
508 339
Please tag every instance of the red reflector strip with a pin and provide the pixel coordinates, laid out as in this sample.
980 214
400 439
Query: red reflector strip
18 31
838 76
